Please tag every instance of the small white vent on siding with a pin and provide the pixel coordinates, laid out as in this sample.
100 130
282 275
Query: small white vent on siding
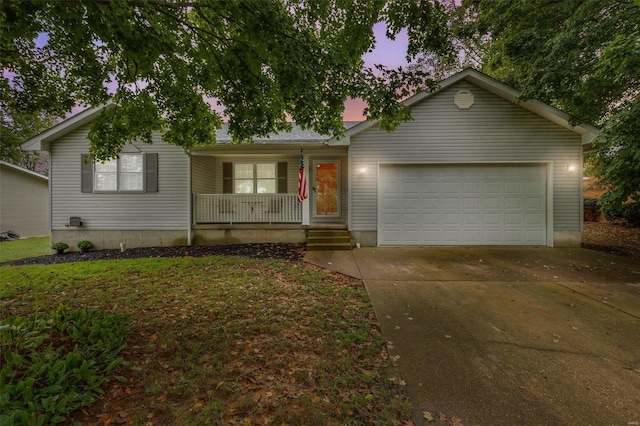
463 99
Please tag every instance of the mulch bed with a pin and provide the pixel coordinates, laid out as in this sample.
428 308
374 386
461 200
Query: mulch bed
292 252
615 239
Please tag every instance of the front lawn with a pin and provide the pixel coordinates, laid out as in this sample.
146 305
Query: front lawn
226 340
23 248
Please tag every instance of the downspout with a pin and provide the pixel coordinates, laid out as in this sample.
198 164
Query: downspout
189 199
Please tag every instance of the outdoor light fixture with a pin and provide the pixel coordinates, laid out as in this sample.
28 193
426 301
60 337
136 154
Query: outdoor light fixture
572 168
363 170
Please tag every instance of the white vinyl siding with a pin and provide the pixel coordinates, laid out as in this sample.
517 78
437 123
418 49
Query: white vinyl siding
24 202
202 174
493 130
167 209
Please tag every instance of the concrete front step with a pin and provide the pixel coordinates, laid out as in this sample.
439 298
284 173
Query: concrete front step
322 239
328 246
340 239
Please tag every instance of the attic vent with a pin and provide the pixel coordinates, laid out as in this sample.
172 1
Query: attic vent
463 99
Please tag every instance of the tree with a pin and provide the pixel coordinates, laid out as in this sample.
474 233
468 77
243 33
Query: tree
469 45
582 56
15 129
161 63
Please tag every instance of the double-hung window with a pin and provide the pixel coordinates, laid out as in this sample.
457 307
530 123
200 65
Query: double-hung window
125 174
254 178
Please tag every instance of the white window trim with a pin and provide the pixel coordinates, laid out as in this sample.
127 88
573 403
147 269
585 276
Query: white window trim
255 176
118 174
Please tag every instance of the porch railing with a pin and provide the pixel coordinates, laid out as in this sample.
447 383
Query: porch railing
246 208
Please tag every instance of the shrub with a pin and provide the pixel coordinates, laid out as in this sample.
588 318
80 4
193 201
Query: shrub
611 213
85 245
60 247
56 362
631 213
591 210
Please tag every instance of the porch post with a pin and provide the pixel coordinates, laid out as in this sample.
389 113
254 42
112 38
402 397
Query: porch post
189 200
305 204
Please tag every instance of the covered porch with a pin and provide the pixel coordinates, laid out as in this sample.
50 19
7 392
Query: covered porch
248 193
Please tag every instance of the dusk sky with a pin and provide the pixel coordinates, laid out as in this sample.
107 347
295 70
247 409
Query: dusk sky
390 53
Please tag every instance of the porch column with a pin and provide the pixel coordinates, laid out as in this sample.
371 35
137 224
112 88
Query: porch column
306 211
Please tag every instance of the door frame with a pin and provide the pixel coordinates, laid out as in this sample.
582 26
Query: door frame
338 215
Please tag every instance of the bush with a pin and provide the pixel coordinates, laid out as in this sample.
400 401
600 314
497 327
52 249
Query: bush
631 213
591 210
85 245
611 213
56 362
60 247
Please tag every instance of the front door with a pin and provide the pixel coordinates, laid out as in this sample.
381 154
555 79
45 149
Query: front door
326 189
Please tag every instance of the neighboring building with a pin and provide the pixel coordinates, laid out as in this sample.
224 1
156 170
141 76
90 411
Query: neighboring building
24 201
474 167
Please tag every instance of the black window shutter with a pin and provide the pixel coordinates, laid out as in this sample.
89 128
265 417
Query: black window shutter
227 178
151 164
282 178
86 175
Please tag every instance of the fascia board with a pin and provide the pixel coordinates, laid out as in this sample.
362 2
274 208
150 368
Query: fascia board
42 141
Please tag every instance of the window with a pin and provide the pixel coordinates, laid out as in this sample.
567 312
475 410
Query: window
123 174
260 178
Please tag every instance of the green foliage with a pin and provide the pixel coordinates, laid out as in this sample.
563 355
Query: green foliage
56 362
582 57
262 61
591 209
60 247
612 213
631 213
85 245
628 213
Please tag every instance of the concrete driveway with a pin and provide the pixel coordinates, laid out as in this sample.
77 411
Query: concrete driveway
497 336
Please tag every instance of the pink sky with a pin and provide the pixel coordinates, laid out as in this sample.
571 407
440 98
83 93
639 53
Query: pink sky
390 53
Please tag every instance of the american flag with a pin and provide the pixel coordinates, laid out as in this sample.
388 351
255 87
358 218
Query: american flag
302 181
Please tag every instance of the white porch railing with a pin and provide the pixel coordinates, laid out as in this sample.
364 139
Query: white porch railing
246 208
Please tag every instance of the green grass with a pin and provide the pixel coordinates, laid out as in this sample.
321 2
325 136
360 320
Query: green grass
227 340
23 248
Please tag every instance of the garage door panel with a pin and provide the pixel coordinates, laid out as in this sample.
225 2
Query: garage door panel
492 188
390 219
512 188
431 188
410 203
492 203
536 203
463 205
534 219
472 219
512 203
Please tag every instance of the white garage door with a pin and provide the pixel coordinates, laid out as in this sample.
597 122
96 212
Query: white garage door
462 205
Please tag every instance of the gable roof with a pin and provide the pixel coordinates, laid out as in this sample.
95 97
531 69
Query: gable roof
41 142
477 78
23 170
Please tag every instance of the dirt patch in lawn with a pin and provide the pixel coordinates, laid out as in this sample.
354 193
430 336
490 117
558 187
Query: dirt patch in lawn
615 239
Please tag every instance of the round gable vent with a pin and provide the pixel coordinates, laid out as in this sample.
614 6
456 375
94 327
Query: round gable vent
463 99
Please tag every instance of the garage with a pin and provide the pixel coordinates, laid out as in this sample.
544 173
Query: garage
462 204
